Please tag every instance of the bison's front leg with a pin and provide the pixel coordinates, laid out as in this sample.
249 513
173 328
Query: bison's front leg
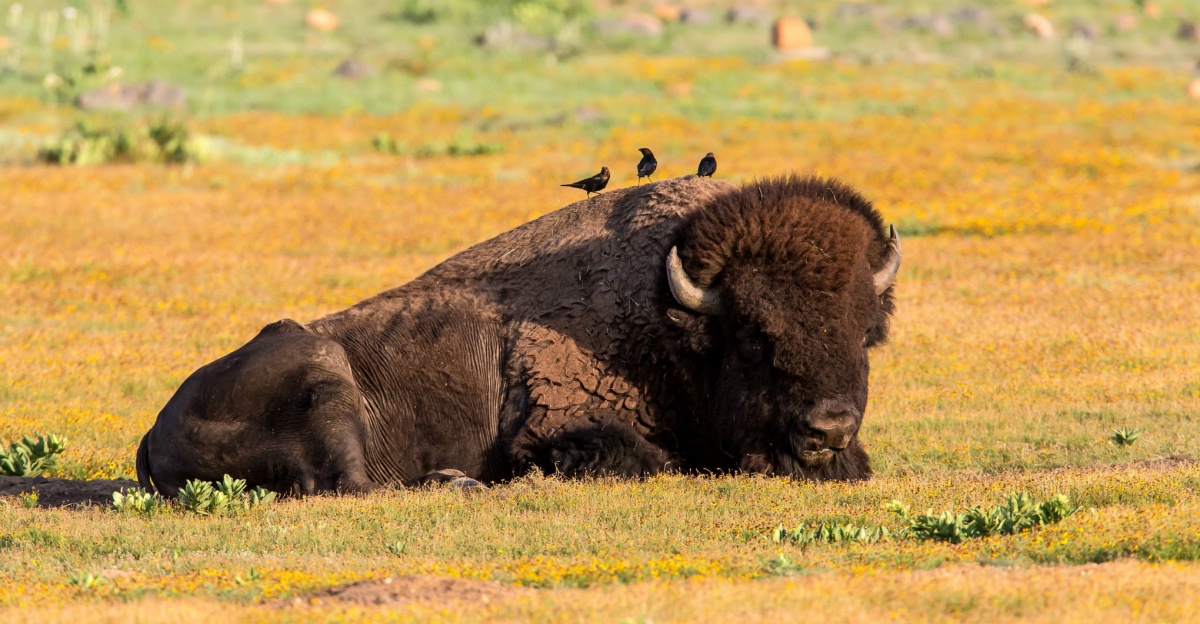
603 445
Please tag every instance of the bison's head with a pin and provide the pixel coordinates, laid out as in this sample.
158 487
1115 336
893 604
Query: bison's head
789 284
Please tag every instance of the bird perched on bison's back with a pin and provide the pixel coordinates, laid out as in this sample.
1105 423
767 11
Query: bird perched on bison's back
647 165
593 184
708 166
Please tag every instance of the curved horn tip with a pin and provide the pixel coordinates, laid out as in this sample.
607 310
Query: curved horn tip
686 292
886 275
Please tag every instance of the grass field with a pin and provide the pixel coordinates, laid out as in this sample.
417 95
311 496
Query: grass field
1049 294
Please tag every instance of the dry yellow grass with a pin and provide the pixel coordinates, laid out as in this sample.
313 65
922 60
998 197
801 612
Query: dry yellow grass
1052 296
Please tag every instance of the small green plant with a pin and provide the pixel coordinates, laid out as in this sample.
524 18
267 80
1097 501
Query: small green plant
1125 436
781 565
199 497
174 143
259 497
1018 513
397 547
29 500
87 581
460 146
384 142
250 577
830 534
31 456
229 495
136 501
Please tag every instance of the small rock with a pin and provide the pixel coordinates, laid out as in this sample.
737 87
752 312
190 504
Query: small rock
124 97
1193 89
1084 30
854 10
429 85
1039 25
321 19
792 33
1188 31
466 483
748 15
942 26
695 17
354 69
679 89
505 35
1125 21
807 54
667 12
633 24
586 114
978 16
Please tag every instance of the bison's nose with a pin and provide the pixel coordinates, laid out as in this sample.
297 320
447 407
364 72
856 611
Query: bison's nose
833 423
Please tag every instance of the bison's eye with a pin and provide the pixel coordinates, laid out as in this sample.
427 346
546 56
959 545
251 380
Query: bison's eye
750 344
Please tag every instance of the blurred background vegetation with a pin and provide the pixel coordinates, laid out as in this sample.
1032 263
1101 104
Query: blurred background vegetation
545 57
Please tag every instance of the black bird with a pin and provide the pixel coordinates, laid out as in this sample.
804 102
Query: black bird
708 166
593 184
647 165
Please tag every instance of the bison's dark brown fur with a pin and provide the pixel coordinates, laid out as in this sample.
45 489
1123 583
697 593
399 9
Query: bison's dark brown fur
559 345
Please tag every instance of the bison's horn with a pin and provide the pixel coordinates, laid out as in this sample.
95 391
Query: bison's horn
687 293
886 275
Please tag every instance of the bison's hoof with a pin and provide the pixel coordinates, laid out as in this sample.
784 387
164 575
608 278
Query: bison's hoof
440 477
466 483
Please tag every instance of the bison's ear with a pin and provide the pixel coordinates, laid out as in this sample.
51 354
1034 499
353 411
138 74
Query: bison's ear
697 329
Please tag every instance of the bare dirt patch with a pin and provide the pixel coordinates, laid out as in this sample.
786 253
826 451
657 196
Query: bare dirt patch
394 590
64 492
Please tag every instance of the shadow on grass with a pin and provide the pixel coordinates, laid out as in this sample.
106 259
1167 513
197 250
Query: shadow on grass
64 492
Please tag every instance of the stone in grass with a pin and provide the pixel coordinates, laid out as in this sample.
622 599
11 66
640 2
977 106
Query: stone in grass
1193 89
1039 25
696 17
791 34
1084 30
153 93
1188 31
748 15
354 69
638 24
452 479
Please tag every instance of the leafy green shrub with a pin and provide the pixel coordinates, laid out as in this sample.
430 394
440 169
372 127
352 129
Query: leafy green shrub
460 146
162 141
1018 513
137 501
830 534
31 456
428 11
1125 436
229 495
383 142
781 565
173 142
87 581
29 500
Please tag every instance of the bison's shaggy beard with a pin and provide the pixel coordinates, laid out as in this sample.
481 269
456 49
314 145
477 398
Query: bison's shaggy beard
851 464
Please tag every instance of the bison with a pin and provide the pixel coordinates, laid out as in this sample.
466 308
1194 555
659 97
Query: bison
688 324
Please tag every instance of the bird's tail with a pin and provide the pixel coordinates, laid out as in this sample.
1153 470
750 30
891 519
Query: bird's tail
570 185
